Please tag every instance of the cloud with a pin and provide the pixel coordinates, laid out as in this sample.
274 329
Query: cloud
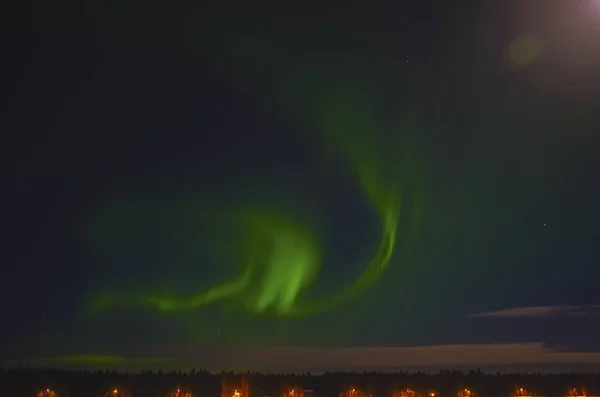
544 311
351 358
300 359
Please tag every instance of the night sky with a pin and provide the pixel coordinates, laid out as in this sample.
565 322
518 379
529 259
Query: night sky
296 186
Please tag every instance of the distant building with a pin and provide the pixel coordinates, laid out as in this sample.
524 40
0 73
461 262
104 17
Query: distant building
292 391
578 392
354 391
47 393
234 388
179 392
405 393
117 392
522 392
467 392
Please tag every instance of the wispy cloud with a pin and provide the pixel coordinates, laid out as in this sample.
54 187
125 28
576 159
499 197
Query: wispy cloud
437 356
544 311
217 358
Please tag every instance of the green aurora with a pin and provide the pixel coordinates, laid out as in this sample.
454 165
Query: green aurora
270 246
279 255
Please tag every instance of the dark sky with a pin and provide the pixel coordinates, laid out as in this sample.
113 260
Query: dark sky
292 187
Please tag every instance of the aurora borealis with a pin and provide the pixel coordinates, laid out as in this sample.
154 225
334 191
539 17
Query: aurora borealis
280 257
355 187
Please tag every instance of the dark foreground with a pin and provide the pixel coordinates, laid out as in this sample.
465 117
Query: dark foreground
58 383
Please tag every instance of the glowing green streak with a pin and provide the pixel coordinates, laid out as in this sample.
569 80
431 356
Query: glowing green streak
281 260
103 359
281 257
99 360
290 266
346 123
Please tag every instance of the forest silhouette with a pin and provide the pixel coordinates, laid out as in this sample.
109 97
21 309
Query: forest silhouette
16 382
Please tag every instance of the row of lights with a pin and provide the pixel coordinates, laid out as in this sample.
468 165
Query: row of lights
236 393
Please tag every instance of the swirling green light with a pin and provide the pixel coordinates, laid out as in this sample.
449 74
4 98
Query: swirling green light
279 255
281 260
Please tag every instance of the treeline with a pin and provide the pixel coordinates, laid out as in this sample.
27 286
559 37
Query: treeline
17 382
